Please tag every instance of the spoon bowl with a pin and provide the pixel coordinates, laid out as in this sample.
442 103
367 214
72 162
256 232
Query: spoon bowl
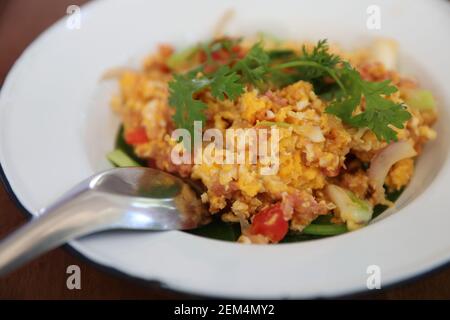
134 198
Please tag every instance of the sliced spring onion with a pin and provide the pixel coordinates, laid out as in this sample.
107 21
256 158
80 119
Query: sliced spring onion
178 58
275 123
325 229
268 37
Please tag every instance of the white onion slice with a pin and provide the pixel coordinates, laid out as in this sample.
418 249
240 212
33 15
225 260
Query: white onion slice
354 211
386 51
382 163
313 133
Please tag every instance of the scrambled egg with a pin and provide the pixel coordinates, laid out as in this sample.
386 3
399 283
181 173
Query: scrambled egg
316 149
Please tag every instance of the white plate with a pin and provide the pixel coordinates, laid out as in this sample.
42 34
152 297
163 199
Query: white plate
53 133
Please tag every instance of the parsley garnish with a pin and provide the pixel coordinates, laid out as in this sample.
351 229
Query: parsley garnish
254 67
261 69
320 56
187 109
226 83
379 113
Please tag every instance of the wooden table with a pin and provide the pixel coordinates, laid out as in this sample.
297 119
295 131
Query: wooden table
45 278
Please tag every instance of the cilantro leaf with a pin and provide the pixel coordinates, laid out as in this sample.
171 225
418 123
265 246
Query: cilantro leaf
312 66
379 113
226 84
254 66
321 56
262 68
182 89
187 110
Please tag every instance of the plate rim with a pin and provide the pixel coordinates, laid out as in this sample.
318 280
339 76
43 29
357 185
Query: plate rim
147 280
68 247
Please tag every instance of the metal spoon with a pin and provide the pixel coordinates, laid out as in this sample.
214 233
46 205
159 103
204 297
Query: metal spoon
121 198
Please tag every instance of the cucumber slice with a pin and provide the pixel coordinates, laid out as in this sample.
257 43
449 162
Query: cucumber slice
420 99
121 159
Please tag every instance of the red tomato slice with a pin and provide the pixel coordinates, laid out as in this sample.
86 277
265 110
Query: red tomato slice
136 136
270 223
221 55
237 49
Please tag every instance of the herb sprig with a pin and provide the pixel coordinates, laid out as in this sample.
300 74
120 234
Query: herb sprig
356 102
379 114
224 82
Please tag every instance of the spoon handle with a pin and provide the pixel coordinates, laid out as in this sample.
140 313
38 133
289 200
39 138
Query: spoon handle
84 214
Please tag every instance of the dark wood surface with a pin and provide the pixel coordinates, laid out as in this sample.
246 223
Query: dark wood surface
45 278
